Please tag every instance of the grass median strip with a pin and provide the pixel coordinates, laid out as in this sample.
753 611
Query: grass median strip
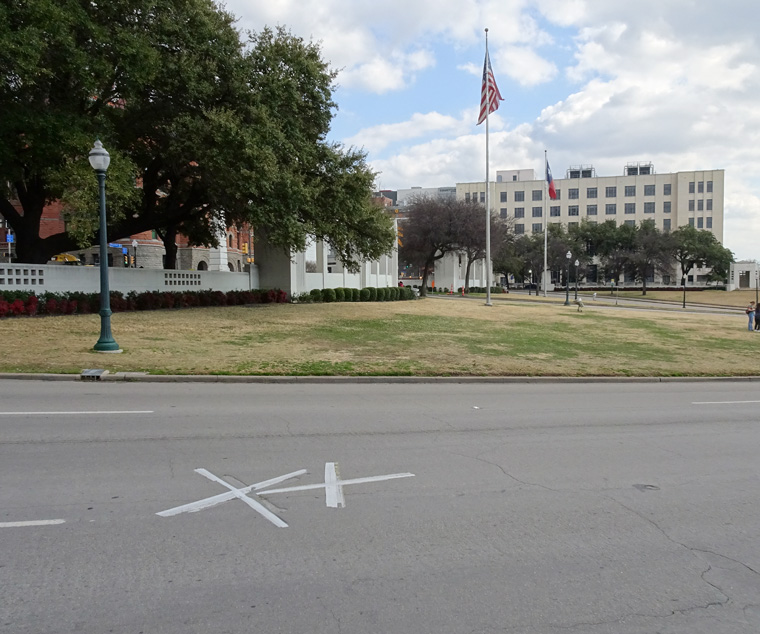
419 338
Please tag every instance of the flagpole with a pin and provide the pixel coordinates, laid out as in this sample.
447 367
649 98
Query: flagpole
488 195
546 220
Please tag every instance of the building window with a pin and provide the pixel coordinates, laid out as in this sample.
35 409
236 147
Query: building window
691 222
700 205
649 208
610 192
666 207
559 194
554 211
709 222
519 229
630 223
467 197
503 212
666 224
572 194
482 197
538 194
610 209
153 235
630 190
701 187
700 223
519 212
591 192
709 187
538 212
538 227
519 197
666 189
709 204
691 187
591 210
691 205
648 190
572 210
630 208
502 197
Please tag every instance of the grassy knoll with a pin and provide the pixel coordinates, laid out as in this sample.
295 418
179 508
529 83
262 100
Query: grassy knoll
430 337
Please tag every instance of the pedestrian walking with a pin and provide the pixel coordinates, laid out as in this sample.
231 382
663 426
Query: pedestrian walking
750 310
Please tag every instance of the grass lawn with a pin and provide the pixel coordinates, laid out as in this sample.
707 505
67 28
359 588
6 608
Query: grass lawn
709 297
430 337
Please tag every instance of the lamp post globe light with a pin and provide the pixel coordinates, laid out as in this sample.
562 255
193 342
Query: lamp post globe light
569 256
100 160
134 254
576 278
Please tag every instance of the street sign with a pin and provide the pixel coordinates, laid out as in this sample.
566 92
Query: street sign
10 238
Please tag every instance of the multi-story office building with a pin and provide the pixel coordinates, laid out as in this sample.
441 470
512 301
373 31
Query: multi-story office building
672 200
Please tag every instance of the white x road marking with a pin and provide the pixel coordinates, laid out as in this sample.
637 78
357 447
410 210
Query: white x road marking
332 485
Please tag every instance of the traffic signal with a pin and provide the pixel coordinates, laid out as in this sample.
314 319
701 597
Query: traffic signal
245 247
126 261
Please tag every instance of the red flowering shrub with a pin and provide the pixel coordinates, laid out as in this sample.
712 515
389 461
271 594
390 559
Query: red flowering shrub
51 306
282 297
32 304
4 308
17 307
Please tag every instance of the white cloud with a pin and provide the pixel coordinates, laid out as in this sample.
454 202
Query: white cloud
675 82
379 137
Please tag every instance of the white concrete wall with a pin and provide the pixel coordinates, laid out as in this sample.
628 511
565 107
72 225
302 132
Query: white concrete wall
86 279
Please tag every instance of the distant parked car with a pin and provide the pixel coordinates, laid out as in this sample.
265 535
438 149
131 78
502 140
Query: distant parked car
66 258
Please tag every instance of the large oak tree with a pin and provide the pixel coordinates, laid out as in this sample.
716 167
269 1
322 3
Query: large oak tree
212 130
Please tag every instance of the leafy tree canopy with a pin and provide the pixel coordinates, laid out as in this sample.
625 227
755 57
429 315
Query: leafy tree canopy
214 131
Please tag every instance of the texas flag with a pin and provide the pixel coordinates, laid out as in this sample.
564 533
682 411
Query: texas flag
550 181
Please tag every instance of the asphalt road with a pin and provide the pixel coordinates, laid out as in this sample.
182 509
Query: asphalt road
533 508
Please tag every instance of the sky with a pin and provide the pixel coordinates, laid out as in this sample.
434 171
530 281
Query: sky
591 82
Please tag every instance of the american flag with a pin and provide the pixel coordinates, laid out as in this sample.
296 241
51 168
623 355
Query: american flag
489 93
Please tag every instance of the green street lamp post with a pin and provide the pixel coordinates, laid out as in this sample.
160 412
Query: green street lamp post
567 279
530 285
99 160
576 278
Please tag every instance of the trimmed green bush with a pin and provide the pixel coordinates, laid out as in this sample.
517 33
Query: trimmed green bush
364 295
380 294
372 293
328 295
355 294
340 294
316 294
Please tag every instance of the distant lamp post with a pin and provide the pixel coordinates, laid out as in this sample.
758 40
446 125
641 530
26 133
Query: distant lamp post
569 257
99 160
134 249
576 278
530 274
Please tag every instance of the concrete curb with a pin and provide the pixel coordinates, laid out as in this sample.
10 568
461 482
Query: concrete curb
138 377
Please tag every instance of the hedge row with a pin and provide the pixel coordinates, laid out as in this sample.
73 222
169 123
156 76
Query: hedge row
19 303
472 289
368 294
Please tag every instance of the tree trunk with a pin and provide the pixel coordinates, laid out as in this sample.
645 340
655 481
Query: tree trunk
467 274
169 238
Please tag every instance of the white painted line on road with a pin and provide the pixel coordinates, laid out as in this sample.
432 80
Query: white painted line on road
224 497
721 402
308 487
31 523
333 488
128 411
256 506
332 485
